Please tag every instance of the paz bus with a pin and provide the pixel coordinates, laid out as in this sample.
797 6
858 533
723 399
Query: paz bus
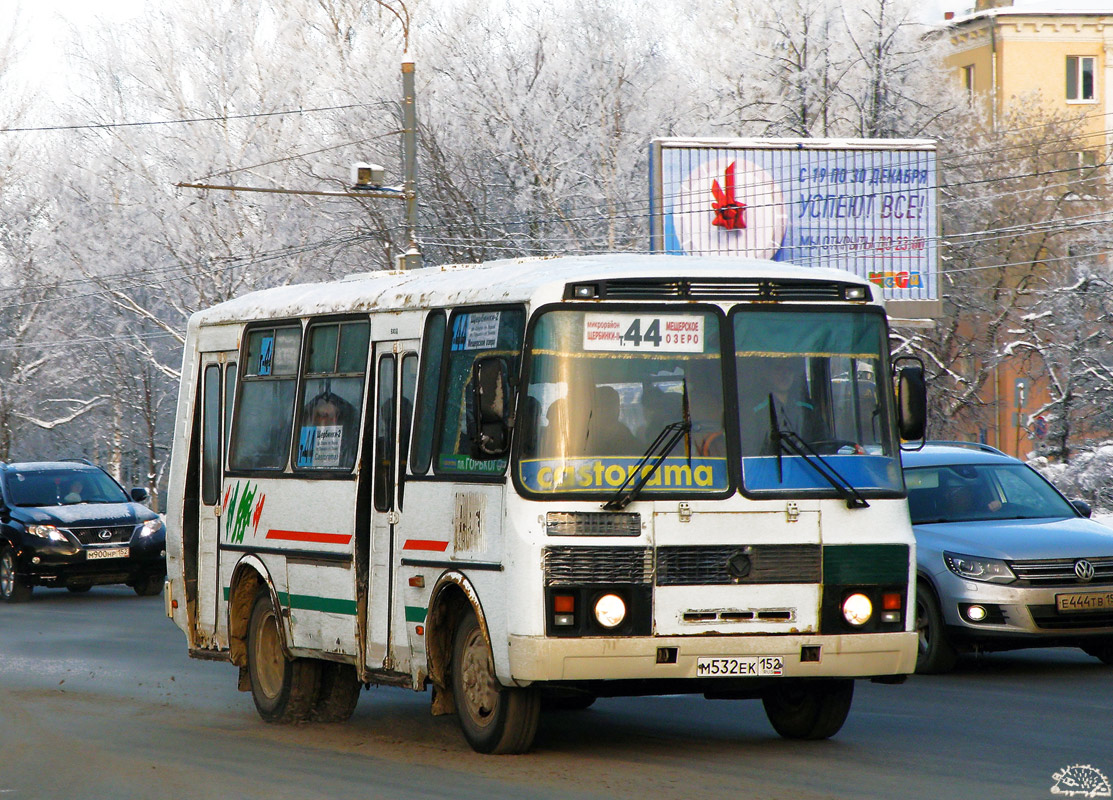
526 484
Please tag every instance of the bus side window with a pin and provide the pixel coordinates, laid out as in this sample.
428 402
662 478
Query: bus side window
210 437
384 435
266 398
475 334
432 355
332 395
406 412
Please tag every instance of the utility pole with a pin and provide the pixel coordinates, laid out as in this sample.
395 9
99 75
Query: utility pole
411 259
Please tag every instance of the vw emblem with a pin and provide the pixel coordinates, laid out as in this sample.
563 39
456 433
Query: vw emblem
1084 570
107 534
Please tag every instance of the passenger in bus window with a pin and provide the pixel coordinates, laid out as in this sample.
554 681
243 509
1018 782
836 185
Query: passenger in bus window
606 433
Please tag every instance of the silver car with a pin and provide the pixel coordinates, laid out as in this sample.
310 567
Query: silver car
1004 560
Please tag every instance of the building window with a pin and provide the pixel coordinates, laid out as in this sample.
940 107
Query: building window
1080 78
968 81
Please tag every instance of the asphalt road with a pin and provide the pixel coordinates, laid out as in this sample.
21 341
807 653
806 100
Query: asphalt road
98 699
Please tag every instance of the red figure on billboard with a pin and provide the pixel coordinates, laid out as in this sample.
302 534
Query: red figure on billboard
730 214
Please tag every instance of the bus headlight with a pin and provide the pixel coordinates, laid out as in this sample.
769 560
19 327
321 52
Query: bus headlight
610 611
857 609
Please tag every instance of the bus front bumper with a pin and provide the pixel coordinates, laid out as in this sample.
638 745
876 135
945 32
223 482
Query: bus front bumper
677 657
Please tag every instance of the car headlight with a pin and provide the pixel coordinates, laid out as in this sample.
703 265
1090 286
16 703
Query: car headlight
975 568
148 528
48 532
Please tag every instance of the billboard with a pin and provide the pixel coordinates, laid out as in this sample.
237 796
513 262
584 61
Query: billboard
862 205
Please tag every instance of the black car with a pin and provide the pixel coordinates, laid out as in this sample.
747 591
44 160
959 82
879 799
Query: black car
71 524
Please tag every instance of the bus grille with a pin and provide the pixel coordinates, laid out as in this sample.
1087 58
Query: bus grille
719 565
565 566
1060 571
739 289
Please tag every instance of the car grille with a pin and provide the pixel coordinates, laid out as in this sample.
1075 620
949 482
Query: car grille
566 566
709 566
1060 571
1049 618
117 534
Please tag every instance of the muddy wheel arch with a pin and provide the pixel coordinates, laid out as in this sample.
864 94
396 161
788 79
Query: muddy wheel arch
451 598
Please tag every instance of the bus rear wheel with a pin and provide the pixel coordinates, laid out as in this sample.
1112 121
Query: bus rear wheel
808 709
338 693
284 689
494 718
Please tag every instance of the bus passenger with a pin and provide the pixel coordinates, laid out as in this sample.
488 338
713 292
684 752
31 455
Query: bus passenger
606 433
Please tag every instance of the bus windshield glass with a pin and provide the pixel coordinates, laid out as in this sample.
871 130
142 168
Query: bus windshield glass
603 385
813 392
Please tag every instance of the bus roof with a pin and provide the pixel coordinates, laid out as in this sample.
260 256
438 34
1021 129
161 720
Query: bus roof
504 281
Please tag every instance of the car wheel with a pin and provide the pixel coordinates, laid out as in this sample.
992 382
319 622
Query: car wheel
284 689
494 718
1102 650
149 586
808 709
13 588
338 693
935 653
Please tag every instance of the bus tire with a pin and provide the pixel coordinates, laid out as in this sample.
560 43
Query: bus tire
284 689
934 654
338 693
13 588
808 709
494 718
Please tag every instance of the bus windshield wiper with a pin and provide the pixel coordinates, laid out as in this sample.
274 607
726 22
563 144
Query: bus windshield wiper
786 439
658 451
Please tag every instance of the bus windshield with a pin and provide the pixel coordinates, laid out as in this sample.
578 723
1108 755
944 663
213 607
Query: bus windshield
604 384
817 383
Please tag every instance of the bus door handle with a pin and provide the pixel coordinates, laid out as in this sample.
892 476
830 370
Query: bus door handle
392 517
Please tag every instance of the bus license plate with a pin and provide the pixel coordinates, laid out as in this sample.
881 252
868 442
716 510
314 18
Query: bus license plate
1091 601
107 552
739 666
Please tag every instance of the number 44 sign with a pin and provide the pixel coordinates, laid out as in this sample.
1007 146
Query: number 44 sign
656 333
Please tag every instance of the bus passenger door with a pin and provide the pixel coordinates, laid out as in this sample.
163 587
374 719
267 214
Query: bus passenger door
395 387
218 380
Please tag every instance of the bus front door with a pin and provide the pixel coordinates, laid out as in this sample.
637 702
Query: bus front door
218 384
395 387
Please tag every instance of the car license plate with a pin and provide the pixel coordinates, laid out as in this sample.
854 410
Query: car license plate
739 666
1090 601
107 552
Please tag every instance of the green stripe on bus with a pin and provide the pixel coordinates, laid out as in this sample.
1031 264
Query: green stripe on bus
310 602
415 614
865 563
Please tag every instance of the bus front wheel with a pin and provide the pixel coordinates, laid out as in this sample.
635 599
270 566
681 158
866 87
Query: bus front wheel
284 689
494 718
808 709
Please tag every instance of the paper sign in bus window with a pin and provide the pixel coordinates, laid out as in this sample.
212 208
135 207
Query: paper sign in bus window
320 446
476 331
654 333
266 355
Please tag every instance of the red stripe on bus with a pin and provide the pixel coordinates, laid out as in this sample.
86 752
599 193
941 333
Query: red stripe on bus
309 536
425 544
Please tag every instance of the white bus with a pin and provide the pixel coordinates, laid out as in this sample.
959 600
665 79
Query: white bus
532 483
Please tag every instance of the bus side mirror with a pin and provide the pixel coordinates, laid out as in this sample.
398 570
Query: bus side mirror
911 399
489 409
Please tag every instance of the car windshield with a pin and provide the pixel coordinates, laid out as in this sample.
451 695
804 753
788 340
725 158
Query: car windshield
61 487
965 492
